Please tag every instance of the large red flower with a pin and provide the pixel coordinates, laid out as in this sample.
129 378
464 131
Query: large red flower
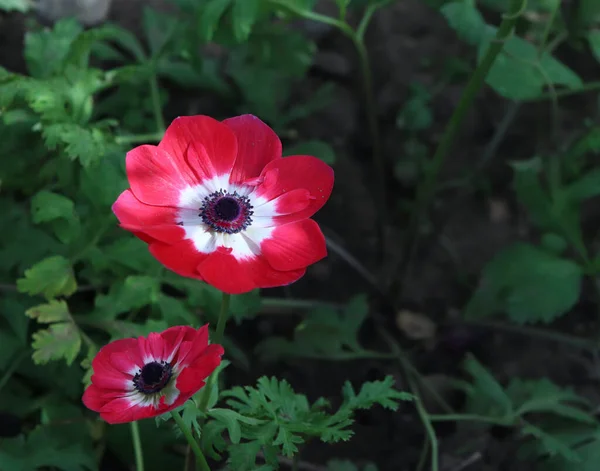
216 201
135 379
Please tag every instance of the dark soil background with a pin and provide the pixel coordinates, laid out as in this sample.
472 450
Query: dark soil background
409 42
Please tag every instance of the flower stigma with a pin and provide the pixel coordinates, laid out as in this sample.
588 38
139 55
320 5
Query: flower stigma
153 377
226 212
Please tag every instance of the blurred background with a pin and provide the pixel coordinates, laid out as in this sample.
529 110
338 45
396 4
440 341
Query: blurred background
482 267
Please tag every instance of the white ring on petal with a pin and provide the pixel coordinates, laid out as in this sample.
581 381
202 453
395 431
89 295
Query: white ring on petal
244 245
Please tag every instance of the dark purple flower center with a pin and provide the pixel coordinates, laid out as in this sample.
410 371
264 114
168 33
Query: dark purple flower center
226 212
153 377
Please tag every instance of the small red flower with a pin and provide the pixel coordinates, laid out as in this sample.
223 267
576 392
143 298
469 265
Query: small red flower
140 378
216 201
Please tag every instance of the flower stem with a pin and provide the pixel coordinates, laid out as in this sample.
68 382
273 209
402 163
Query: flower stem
223 314
135 138
469 418
202 463
156 105
357 38
426 190
371 112
137 446
473 86
217 338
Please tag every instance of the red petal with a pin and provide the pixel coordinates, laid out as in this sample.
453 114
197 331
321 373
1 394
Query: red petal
94 398
191 379
153 348
207 145
223 271
120 411
181 257
150 234
267 277
132 212
157 177
193 346
291 202
257 146
102 361
299 171
295 245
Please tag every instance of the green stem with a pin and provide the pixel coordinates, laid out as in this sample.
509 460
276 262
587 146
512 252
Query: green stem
371 112
156 105
201 460
347 356
548 29
137 446
472 88
426 189
137 138
217 339
14 364
370 108
588 87
223 315
426 419
468 418
285 305
545 334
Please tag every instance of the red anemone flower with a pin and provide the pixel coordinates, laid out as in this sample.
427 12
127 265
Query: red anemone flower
216 201
139 378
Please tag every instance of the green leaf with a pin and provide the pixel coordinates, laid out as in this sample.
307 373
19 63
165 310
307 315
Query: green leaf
242 456
210 16
465 19
12 305
594 40
543 396
10 346
158 28
22 6
528 284
288 441
374 392
532 194
486 396
47 447
588 454
554 243
175 311
521 73
551 445
51 277
86 364
87 145
189 414
243 16
46 50
287 419
316 148
102 181
59 341
135 292
128 252
54 311
586 187
416 114
323 333
231 419
48 206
